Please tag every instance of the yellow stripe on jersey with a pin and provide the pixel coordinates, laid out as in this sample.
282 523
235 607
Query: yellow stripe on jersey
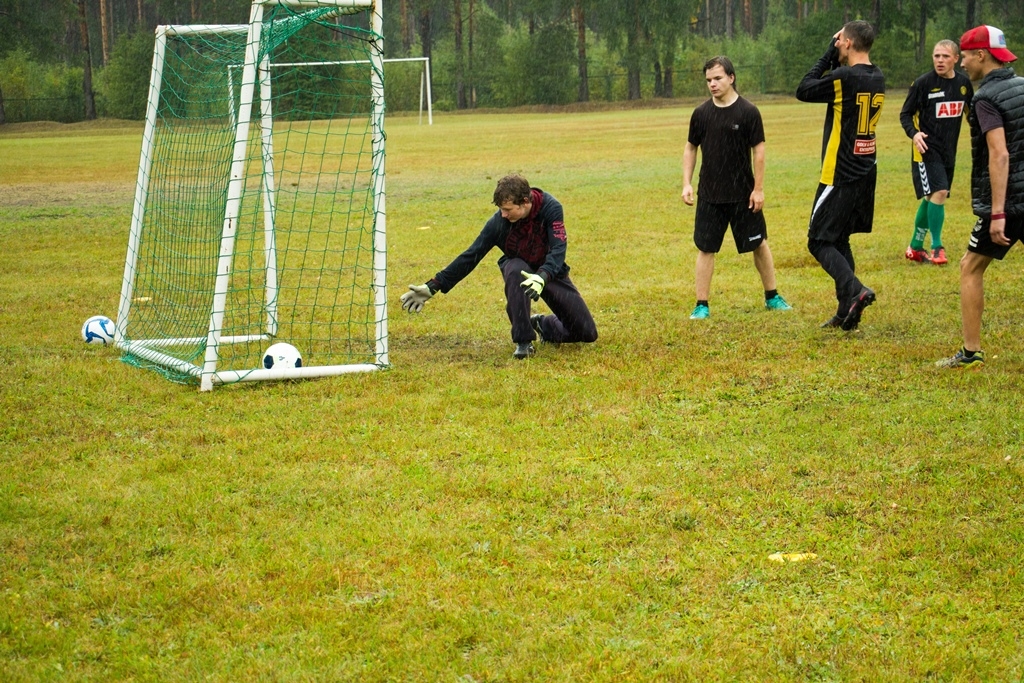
828 164
917 157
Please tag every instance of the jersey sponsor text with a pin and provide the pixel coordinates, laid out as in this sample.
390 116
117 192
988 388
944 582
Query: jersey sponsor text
863 147
949 110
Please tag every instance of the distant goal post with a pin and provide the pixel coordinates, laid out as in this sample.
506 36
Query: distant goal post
259 212
425 89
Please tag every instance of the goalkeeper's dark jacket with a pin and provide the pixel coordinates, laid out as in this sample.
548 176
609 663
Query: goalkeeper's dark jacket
538 239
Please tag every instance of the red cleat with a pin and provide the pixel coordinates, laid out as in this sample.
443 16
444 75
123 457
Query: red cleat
918 255
939 257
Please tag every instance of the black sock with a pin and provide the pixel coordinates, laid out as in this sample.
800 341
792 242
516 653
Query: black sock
702 302
770 294
968 354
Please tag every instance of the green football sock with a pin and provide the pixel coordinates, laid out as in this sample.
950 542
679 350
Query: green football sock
936 217
920 226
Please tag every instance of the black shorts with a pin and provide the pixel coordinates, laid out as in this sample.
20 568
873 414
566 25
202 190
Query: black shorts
981 241
930 177
712 220
841 210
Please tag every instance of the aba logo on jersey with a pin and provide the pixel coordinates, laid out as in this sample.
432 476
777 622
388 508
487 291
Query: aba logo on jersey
949 110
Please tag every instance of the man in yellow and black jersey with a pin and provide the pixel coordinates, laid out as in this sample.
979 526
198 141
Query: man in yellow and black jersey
854 89
936 104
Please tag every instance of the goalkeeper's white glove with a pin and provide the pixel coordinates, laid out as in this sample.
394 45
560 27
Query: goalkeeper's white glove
414 299
533 285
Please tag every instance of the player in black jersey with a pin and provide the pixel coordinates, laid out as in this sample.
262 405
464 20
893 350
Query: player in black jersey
728 130
854 90
936 104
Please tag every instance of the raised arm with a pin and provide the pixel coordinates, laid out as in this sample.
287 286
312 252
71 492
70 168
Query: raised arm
815 88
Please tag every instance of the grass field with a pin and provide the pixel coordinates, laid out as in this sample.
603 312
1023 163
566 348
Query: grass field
594 513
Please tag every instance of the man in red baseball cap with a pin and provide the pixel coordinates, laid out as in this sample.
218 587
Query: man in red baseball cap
987 38
997 176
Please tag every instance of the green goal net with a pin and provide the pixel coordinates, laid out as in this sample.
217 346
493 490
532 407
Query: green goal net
259 208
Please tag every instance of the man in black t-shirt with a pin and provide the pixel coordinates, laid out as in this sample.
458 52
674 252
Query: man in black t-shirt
726 128
935 106
854 90
529 230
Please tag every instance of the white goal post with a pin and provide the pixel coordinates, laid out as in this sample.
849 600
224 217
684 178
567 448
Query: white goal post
179 260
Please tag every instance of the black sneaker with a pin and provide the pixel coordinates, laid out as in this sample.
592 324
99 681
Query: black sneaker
524 350
537 327
864 298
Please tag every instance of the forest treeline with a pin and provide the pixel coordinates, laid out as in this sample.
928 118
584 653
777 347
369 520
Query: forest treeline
69 60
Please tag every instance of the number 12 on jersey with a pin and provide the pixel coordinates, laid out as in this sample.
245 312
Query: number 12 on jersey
867 121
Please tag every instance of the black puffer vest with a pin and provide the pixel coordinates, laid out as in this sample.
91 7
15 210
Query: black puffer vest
1005 90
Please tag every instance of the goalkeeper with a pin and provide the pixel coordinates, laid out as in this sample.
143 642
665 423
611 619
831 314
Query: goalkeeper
529 230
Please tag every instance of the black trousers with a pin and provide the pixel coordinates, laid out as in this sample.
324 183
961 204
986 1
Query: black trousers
836 258
839 211
571 320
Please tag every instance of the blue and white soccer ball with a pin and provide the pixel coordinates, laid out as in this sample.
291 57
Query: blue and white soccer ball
282 356
98 329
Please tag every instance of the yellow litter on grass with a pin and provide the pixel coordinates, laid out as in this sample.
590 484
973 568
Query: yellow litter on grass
792 557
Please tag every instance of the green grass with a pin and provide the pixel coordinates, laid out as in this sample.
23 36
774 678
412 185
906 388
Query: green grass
595 513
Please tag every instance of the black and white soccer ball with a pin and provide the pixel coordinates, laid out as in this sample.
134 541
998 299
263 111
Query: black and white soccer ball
282 356
99 330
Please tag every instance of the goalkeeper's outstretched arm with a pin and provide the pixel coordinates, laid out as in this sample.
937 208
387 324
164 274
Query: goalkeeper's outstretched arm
463 265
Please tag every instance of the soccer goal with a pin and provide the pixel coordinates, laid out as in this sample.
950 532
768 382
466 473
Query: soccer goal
259 213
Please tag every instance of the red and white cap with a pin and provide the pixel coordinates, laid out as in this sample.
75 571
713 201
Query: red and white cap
987 38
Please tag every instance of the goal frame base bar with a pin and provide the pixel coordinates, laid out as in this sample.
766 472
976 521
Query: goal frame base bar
234 376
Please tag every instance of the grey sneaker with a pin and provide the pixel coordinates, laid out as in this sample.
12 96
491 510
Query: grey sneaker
961 360
537 327
524 350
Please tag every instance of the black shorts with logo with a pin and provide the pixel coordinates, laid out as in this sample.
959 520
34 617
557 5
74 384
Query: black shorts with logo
712 220
981 240
931 177
841 210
